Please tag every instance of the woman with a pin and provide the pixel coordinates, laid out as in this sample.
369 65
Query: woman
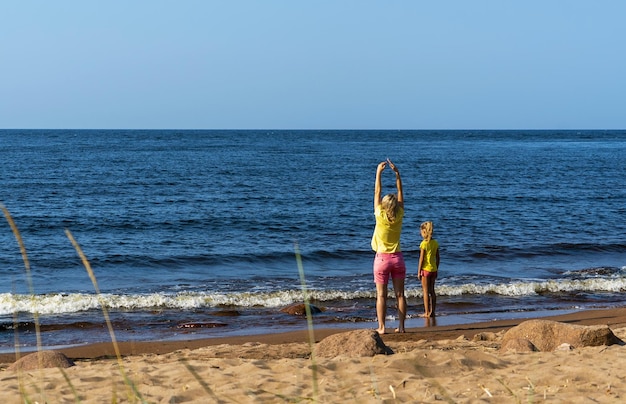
389 261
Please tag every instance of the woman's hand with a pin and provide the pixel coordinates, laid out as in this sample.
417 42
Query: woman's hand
393 166
381 166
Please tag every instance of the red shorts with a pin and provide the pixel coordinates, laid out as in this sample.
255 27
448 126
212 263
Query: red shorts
388 265
428 274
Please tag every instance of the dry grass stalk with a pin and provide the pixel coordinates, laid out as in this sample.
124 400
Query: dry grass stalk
134 393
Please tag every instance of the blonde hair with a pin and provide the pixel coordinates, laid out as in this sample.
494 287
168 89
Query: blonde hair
427 228
390 206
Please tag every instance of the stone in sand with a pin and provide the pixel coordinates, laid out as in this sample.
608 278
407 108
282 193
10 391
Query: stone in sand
547 335
358 343
43 359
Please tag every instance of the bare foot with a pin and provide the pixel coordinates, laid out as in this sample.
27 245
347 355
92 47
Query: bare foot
380 330
400 330
425 315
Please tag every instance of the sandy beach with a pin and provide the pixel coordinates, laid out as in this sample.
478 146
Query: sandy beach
430 364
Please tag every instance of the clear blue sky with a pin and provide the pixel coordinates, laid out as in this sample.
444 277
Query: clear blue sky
340 64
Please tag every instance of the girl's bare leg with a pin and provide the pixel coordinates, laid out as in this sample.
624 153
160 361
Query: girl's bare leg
426 296
433 297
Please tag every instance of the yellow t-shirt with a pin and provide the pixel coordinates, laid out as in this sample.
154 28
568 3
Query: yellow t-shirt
386 237
430 255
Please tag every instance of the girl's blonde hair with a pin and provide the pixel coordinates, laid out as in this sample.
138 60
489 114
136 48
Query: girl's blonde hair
427 227
390 206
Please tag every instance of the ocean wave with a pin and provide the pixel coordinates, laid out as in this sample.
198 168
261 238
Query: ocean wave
549 250
77 302
529 288
149 260
328 257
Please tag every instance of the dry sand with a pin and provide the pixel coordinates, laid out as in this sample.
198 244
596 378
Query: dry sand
435 364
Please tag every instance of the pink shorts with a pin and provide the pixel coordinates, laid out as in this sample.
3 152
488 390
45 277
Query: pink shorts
429 274
386 265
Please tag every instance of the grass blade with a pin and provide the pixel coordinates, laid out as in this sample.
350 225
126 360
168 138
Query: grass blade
309 319
105 313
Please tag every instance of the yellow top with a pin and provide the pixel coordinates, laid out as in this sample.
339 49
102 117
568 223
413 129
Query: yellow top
386 237
430 255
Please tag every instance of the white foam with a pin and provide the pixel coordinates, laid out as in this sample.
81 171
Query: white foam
77 302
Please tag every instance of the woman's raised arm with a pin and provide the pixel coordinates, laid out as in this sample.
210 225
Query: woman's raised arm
378 185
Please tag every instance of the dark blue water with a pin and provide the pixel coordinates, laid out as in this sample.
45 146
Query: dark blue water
208 226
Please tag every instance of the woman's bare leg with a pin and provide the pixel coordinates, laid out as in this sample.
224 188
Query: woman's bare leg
398 288
381 306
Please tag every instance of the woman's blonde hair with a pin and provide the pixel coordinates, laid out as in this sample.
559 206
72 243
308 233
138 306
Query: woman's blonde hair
427 227
390 206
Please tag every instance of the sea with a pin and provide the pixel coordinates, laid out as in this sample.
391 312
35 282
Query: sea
185 234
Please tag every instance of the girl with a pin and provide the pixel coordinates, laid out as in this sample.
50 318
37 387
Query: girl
427 268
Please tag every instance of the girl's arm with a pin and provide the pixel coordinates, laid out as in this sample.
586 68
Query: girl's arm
378 185
438 260
419 264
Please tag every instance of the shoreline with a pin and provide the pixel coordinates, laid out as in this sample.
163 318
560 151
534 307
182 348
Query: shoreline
614 317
